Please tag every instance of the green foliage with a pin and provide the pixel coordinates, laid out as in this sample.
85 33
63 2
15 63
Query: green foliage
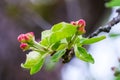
32 58
37 67
117 78
61 31
114 35
33 62
45 34
82 54
58 32
113 3
55 42
92 40
58 55
56 45
62 46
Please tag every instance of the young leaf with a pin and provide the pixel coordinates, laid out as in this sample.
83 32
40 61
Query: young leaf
113 3
58 55
37 66
45 42
44 38
56 45
64 41
68 39
57 27
87 41
82 54
60 31
32 58
78 39
62 46
114 35
45 34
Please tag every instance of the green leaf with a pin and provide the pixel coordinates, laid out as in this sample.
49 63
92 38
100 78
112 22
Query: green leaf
62 46
60 31
82 54
78 39
57 27
87 41
55 46
59 46
58 55
45 38
34 62
68 39
114 35
45 34
32 58
45 42
64 41
37 67
113 3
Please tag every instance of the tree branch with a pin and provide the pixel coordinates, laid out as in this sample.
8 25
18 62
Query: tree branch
68 56
107 27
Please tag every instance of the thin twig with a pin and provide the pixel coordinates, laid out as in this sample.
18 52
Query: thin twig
107 27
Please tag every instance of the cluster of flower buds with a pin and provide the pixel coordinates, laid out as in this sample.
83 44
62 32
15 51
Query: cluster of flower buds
26 40
80 24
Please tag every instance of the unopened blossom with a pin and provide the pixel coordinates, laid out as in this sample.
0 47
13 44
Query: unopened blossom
24 38
80 24
24 46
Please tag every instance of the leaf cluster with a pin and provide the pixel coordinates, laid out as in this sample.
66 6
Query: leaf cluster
56 43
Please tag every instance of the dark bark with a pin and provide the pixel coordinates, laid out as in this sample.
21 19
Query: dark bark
108 26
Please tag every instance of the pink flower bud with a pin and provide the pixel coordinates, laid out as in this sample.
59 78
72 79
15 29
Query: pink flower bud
23 38
81 23
29 35
81 30
24 46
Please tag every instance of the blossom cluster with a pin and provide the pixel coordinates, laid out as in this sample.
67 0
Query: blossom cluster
26 40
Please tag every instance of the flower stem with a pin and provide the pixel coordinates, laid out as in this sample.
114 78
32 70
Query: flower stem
39 47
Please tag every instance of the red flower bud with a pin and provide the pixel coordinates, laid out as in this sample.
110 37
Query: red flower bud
23 38
24 46
81 25
29 35
81 30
